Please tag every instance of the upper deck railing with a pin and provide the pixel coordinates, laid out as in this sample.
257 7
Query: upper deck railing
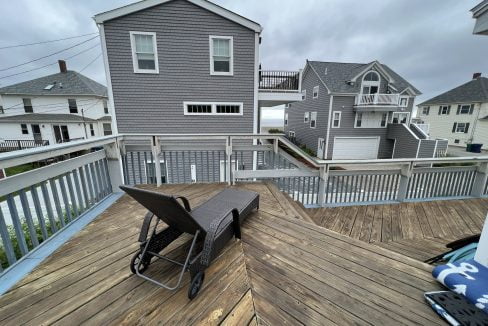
7 145
378 99
279 81
37 204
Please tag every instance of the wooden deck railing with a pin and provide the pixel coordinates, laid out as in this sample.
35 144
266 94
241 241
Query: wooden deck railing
8 145
271 80
35 205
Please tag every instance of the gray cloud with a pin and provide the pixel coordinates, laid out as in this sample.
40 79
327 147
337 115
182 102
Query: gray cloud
427 42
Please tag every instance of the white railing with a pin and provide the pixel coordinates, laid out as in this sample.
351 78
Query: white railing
378 99
37 204
425 127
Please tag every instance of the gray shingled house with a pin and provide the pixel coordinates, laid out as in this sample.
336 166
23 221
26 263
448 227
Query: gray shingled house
357 111
188 66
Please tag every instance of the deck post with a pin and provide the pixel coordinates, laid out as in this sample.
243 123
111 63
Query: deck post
405 175
228 153
114 164
156 151
323 180
481 255
480 179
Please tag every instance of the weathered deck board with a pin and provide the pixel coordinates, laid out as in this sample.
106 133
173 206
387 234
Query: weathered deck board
284 271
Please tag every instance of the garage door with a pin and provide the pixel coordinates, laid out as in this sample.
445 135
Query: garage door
353 148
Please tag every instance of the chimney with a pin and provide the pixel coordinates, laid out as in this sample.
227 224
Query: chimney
476 75
62 66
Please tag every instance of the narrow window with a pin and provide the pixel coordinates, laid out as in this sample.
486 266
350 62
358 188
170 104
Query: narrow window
73 108
28 105
316 92
336 119
426 110
286 119
24 129
306 117
144 52
221 55
384 117
228 109
92 130
359 118
199 109
291 134
313 119
403 101
195 108
105 107
304 95
107 129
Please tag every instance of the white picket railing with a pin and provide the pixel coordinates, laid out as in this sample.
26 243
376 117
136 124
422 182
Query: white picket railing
378 99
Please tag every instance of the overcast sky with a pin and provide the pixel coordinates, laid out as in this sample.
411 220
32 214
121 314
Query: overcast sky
429 43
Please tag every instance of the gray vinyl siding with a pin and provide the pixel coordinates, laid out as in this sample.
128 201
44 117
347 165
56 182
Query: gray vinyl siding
426 149
345 104
296 111
406 144
153 103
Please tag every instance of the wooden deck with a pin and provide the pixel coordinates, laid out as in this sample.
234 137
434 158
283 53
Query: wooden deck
284 271
419 230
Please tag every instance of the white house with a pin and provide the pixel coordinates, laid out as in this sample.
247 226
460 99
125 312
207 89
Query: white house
460 114
57 108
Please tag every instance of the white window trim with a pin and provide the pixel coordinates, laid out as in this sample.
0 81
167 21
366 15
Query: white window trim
304 95
426 108
231 50
134 56
356 120
313 92
386 121
457 126
442 109
306 117
400 101
290 134
369 83
461 108
286 119
379 125
333 119
311 113
393 113
214 108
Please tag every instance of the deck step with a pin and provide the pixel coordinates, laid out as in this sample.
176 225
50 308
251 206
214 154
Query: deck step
294 208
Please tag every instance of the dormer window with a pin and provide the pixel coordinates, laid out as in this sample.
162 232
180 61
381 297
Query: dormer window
371 83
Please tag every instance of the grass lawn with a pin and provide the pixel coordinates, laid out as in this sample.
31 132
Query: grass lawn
13 170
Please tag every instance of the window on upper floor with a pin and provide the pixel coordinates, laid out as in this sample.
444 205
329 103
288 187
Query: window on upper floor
370 83
105 106
286 119
384 118
206 108
465 109
304 95
460 127
92 130
316 92
107 129
24 129
221 55
444 109
313 119
426 110
73 107
1 110
403 101
359 120
336 119
306 117
27 105
144 52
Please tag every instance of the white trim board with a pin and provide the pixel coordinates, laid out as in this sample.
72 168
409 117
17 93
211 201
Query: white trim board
141 5
231 55
135 64
214 108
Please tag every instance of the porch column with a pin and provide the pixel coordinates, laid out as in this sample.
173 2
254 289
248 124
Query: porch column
323 180
156 151
405 175
114 164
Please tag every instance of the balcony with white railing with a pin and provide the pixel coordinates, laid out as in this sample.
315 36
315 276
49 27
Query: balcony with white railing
378 100
78 198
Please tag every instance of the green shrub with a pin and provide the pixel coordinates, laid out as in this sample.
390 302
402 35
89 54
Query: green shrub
275 131
307 150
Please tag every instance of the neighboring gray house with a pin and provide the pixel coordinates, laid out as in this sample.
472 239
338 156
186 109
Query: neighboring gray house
480 13
356 111
188 66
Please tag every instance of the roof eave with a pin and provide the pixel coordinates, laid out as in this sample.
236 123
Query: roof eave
141 5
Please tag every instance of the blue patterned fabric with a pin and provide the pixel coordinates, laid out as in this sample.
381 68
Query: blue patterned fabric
467 278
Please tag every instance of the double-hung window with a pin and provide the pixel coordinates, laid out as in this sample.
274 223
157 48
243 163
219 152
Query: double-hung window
209 108
92 130
144 52
444 109
316 92
107 129
336 119
464 109
221 55
27 105
306 117
24 129
73 108
105 107
384 118
426 110
359 119
460 127
286 119
403 101
313 119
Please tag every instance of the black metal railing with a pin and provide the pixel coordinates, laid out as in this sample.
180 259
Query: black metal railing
9 145
279 80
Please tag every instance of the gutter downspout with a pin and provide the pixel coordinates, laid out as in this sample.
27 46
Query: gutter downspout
326 150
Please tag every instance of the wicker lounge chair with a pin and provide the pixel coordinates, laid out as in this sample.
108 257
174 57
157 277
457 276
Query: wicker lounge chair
212 225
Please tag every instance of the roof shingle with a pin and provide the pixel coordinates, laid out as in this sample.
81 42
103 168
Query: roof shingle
476 90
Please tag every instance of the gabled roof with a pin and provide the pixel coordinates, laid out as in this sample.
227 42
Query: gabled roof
339 74
64 83
480 8
145 4
44 117
476 90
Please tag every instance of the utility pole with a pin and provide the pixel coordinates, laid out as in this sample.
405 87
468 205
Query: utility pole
84 124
